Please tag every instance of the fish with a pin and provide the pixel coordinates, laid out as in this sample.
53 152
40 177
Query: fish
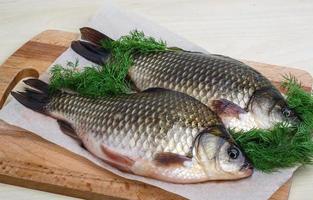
242 97
157 133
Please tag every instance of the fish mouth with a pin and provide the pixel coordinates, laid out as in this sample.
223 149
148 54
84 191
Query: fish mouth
296 118
246 169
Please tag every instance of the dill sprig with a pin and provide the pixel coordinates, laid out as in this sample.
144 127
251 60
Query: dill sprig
284 145
269 150
109 79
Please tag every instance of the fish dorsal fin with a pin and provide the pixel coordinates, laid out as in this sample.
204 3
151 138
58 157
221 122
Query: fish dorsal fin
183 50
93 35
228 58
156 89
175 49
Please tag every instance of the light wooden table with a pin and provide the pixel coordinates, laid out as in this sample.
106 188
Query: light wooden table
277 32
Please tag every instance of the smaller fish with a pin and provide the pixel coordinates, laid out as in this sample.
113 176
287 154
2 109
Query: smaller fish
156 133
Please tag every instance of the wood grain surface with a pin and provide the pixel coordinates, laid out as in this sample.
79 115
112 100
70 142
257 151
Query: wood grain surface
29 161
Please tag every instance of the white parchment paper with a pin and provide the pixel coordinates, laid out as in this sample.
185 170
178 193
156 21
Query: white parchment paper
115 22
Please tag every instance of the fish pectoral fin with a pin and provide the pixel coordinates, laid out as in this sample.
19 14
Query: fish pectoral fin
167 159
117 160
224 107
67 129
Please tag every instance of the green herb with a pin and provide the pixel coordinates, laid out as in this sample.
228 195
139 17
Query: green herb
109 79
269 150
283 146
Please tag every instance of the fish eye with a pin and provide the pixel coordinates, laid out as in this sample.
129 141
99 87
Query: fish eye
286 112
233 152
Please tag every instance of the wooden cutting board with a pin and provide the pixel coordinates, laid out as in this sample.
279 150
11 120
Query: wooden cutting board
29 161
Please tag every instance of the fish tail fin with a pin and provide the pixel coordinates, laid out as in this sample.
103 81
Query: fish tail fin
35 98
91 52
93 36
92 49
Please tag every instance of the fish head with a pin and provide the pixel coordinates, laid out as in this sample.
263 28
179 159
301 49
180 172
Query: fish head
220 156
270 107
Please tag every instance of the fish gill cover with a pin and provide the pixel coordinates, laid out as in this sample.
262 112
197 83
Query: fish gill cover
269 150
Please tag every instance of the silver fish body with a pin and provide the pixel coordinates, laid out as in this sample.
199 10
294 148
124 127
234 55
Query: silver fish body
205 76
241 96
157 133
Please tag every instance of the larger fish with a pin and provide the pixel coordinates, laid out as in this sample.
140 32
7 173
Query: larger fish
158 133
242 96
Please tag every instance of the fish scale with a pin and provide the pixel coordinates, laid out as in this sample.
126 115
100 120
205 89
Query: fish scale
151 133
205 77
157 133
